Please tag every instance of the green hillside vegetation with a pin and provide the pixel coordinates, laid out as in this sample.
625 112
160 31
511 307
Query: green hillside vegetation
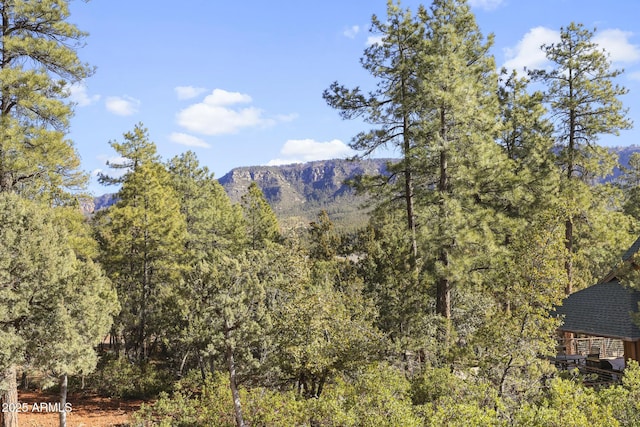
297 193
272 297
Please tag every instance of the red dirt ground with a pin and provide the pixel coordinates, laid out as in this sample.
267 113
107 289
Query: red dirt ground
86 411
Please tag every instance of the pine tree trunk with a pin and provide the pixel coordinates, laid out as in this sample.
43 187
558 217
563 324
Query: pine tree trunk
9 398
63 400
408 179
233 381
569 263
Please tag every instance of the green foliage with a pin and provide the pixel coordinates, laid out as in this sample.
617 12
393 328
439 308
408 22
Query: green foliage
625 399
447 399
377 396
142 241
136 150
405 308
519 329
324 239
213 223
55 307
585 103
322 323
39 60
225 308
566 404
392 107
81 317
211 404
121 379
34 263
261 222
629 182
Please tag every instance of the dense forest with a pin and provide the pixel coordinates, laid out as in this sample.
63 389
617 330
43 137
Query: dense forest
437 312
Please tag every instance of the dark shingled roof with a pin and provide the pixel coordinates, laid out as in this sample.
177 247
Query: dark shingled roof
632 250
602 310
626 257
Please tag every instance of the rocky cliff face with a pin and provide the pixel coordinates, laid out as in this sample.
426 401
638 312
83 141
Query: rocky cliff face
298 192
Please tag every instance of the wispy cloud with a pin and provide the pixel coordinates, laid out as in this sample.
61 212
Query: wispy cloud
306 150
122 105
371 40
485 4
527 53
616 43
78 94
222 112
189 92
188 140
352 31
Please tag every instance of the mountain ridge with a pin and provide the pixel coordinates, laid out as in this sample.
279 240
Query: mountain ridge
297 192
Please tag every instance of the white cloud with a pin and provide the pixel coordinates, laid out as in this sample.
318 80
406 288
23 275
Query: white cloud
220 114
188 140
306 150
371 40
107 170
485 4
189 92
285 118
78 94
122 105
616 43
528 52
352 31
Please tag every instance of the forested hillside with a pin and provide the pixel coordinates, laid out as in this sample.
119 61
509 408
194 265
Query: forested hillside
297 193
433 308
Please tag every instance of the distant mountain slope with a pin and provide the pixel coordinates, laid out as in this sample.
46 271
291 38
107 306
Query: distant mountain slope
298 192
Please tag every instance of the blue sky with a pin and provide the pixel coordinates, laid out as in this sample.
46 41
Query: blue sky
240 83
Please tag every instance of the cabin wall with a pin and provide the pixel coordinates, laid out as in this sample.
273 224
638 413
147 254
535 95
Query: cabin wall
632 350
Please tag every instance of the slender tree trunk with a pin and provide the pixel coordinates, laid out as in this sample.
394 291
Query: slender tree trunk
569 263
233 381
408 177
570 176
63 400
443 286
9 398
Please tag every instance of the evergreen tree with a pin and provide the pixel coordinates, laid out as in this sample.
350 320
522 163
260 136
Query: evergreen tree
55 307
519 329
38 60
213 225
405 310
213 222
585 103
324 239
142 241
228 313
466 167
526 137
261 222
394 104
136 150
82 313
629 182
323 324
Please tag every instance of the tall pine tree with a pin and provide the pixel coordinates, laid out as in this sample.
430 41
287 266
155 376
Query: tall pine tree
142 239
393 106
584 102
38 61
